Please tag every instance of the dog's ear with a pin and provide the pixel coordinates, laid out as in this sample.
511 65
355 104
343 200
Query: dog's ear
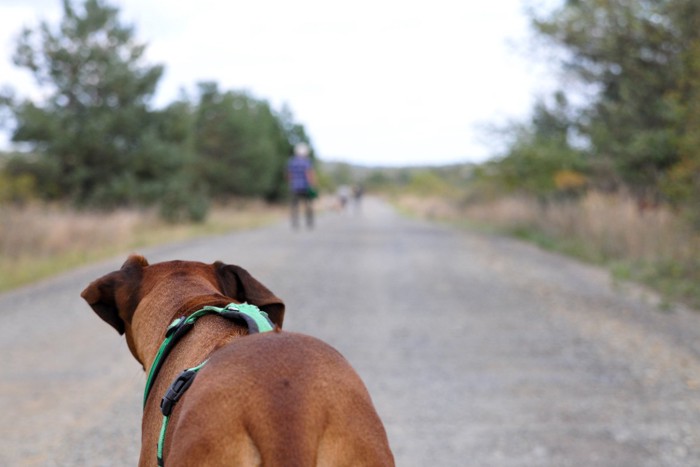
112 296
236 282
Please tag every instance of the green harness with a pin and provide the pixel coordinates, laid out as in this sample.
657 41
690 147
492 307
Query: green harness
243 313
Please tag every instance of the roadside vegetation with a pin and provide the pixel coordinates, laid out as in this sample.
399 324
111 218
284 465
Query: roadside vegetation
98 170
607 167
655 247
91 137
40 240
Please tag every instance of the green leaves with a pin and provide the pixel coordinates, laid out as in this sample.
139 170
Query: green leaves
638 63
540 160
242 143
106 147
94 120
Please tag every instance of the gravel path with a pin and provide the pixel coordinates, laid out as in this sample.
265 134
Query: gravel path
477 350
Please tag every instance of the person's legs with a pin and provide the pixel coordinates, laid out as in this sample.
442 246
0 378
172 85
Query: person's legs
295 210
309 212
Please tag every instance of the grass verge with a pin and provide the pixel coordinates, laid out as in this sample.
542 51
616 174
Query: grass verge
653 247
39 241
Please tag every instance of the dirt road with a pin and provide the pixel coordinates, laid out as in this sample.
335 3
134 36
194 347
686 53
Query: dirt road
478 351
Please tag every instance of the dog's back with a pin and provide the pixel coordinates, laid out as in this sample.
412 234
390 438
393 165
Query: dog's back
272 398
276 399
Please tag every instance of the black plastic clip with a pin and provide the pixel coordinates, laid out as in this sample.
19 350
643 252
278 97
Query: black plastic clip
175 326
176 390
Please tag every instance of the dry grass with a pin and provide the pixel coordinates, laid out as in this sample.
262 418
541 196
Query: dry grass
653 246
40 240
612 226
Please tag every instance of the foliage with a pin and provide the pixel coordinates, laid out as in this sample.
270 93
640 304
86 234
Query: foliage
94 125
683 183
41 239
16 190
540 160
627 52
241 143
633 67
94 138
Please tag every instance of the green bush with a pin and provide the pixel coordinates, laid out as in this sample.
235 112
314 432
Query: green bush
18 190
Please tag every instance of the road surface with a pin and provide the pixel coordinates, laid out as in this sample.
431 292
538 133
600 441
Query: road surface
477 350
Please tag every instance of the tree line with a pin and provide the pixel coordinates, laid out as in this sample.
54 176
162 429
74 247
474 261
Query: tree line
95 139
627 114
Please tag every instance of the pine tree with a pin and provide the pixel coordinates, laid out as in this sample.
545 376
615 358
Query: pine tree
94 127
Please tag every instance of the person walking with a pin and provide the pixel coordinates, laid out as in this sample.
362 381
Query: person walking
302 182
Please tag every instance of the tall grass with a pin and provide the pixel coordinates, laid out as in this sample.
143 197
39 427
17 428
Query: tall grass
652 246
606 226
39 240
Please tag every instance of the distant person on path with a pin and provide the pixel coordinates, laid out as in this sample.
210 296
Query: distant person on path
357 192
344 192
302 182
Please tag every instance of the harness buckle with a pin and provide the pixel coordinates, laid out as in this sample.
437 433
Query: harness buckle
176 390
175 325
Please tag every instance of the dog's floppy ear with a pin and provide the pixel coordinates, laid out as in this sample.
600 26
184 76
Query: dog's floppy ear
236 282
108 296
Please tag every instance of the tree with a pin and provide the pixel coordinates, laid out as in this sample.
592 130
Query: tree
540 160
682 186
99 143
631 53
242 143
94 128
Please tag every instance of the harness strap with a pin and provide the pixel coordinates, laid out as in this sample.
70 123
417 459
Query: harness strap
175 392
243 313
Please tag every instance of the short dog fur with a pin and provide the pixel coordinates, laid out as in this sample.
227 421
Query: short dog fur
271 399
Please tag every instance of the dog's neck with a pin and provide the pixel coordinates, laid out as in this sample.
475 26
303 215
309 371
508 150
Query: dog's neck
162 308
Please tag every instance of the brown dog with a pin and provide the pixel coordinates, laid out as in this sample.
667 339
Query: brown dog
272 399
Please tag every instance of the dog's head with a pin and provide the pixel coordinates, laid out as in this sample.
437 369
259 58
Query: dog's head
116 296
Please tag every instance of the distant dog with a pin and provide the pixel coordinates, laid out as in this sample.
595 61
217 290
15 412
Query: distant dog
259 398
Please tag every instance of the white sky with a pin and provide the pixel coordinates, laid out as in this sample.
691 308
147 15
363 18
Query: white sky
380 82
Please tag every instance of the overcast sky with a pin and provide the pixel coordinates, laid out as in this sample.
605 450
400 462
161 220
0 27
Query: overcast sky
381 82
